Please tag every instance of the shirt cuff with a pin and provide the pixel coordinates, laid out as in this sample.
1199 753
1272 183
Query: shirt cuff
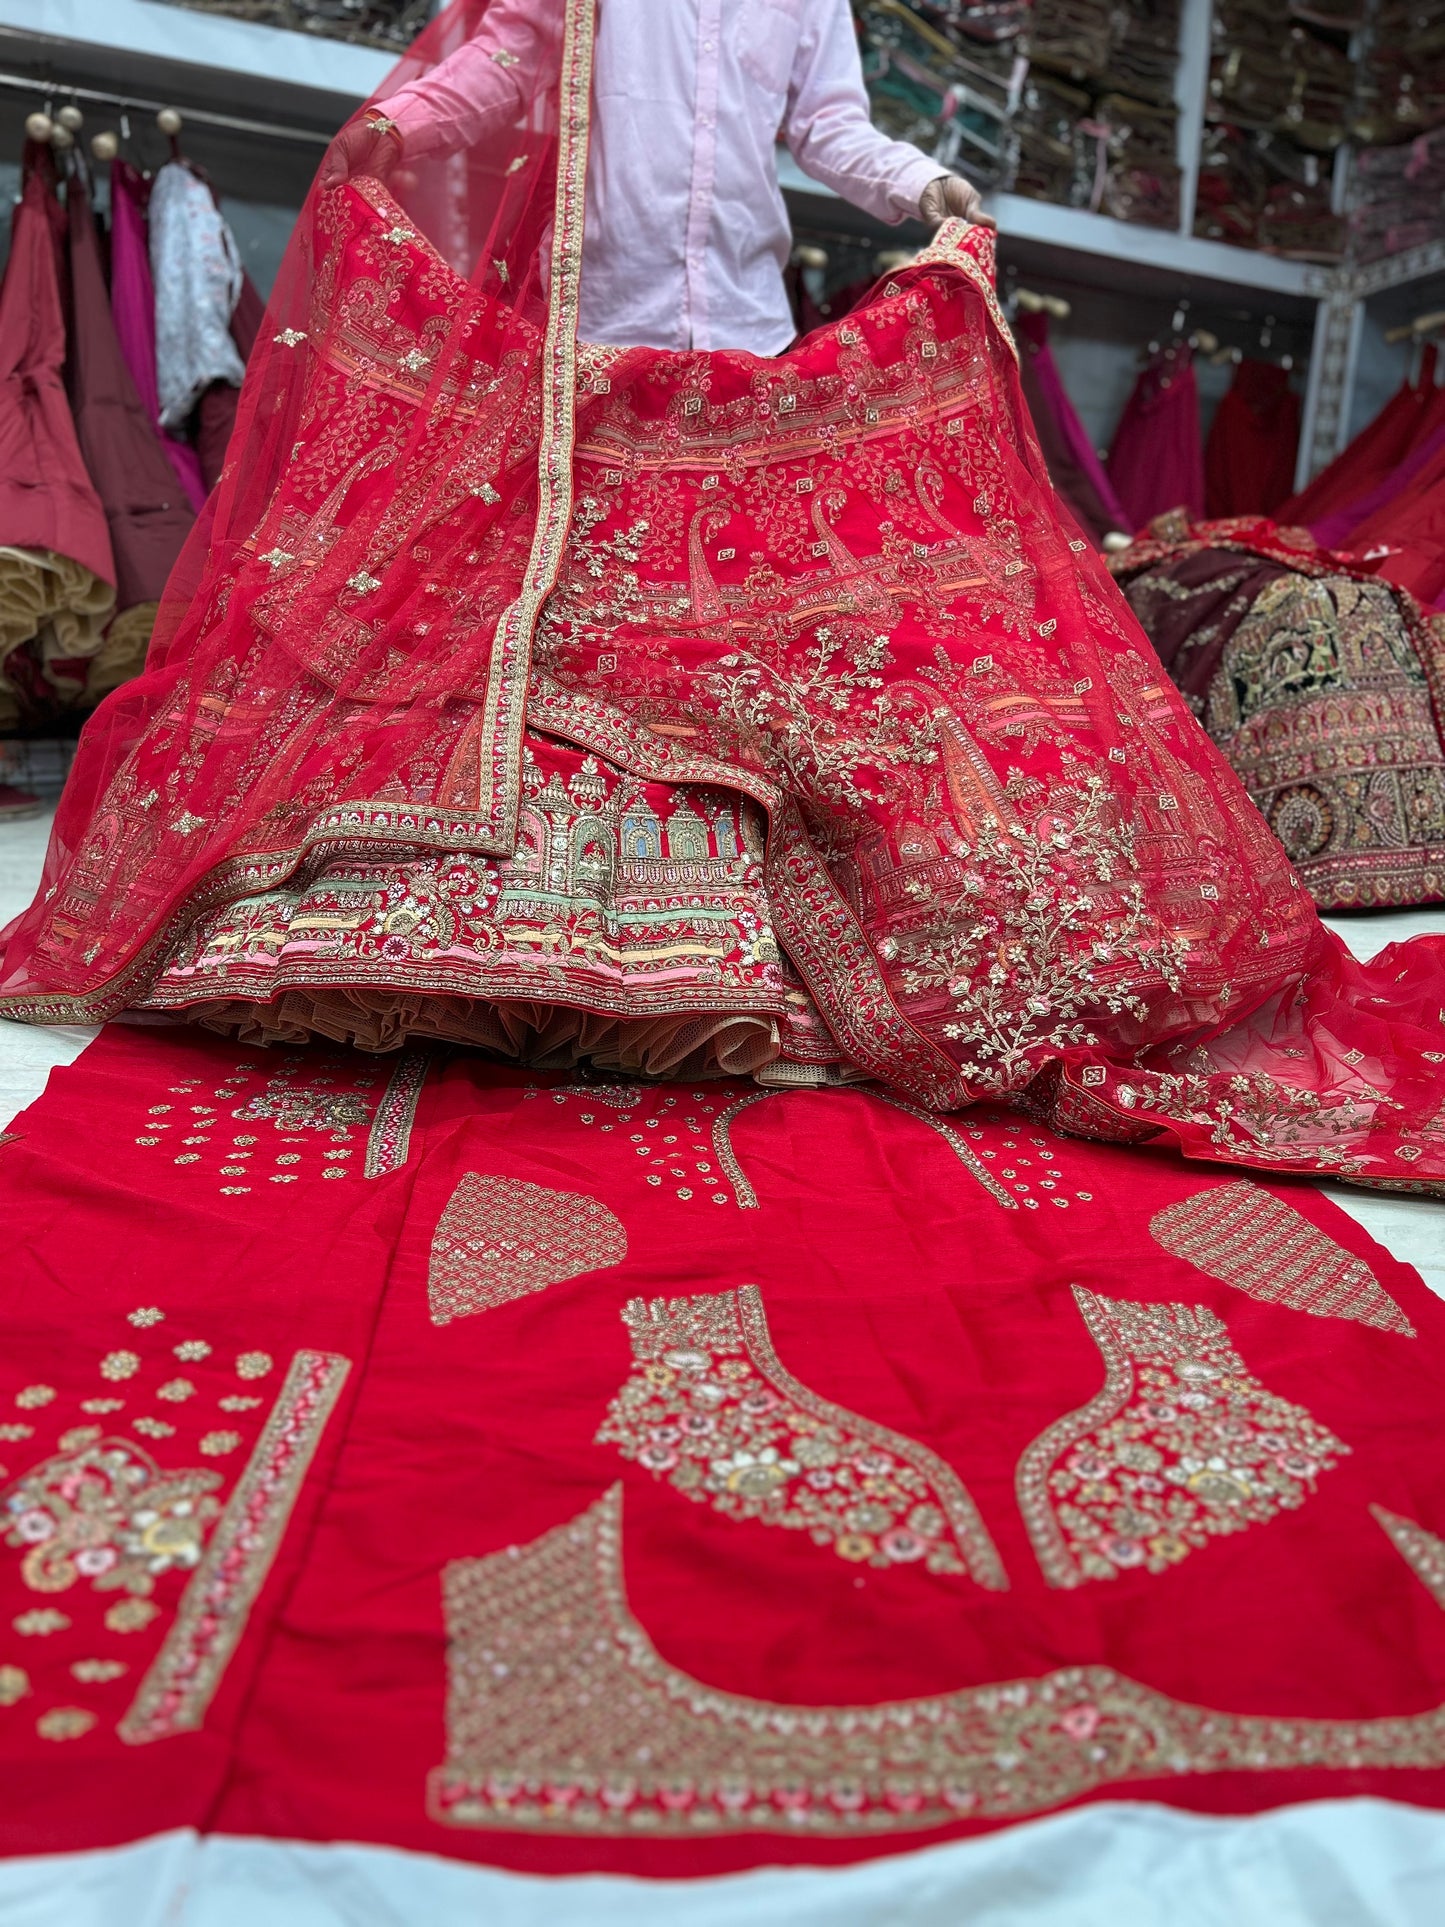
906 191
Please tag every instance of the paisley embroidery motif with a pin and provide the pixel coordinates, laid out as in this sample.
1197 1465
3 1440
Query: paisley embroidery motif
500 1238
1256 1242
711 1408
109 1514
1180 1444
562 1717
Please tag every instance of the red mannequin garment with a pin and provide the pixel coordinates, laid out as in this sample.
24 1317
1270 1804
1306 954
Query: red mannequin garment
145 506
1250 455
47 500
1371 455
1155 462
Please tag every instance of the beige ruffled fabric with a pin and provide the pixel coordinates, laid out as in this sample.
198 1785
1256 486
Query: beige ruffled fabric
123 652
47 595
546 1036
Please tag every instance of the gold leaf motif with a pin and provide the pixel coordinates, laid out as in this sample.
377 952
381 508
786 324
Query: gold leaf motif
14 1684
40 1621
97 1672
501 1238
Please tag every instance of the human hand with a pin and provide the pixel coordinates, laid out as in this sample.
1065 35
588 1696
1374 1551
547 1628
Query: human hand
367 146
951 198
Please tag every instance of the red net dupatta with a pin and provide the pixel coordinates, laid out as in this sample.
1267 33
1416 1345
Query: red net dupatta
768 713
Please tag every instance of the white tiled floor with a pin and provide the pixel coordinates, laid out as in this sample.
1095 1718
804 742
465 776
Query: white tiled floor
1412 1228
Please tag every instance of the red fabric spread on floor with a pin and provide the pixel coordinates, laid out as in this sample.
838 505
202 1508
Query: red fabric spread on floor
656 1396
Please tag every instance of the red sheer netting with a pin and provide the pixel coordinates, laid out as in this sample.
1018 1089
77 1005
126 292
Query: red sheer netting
689 711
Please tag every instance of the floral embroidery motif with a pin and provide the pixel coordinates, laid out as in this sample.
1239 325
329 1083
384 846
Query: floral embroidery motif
65 1723
1422 1552
1250 1239
711 1408
1181 1444
41 1621
562 1717
14 1685
501 1238
182 1679
109 1514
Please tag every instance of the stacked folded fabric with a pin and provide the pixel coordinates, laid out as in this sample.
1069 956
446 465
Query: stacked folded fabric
1398 196
946 79
1098 120
1401 72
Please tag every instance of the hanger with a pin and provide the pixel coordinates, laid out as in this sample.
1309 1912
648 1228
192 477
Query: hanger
1032 303
1416 330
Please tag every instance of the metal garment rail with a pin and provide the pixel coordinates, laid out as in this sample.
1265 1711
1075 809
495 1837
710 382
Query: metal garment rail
61 92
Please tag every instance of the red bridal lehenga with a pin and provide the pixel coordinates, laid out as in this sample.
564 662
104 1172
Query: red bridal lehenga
688 713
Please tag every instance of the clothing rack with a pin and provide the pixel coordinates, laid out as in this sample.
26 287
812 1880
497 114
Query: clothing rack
199 116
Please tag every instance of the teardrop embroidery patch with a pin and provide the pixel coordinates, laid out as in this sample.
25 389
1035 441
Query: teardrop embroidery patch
1246 1237
501 1238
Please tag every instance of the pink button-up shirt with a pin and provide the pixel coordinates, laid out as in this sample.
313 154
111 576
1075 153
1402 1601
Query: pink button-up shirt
686 233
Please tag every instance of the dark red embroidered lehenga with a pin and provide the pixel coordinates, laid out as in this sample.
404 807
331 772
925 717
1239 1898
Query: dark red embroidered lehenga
689 712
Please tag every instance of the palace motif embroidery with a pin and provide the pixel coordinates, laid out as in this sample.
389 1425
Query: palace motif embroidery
1248 1238
562 1717
711 1408
182 1679
1422 1552
107 1513
1180 1444
501 1238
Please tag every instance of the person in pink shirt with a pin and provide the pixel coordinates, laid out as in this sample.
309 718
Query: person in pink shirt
686 234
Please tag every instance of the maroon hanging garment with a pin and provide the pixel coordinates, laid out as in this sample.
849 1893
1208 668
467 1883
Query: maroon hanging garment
144 502
216 410
133 311
57 567
1074 469
1249 459
1155 462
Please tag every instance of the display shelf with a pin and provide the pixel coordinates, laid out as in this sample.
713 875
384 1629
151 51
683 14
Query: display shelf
300 87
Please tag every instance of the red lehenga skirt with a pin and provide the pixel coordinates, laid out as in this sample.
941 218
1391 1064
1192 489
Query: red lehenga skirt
829 749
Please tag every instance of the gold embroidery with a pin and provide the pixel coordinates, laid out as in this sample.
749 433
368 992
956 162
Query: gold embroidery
711 1407
563 1717
64 1723
107 1513
1180 1444
500 1238
182 1679
747 1197
1243 1235
389 1140
1422 1552
14 1685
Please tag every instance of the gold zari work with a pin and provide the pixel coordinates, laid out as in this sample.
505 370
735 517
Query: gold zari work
500 1238
563 1717
1243 1235
1179 1445
711 1408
